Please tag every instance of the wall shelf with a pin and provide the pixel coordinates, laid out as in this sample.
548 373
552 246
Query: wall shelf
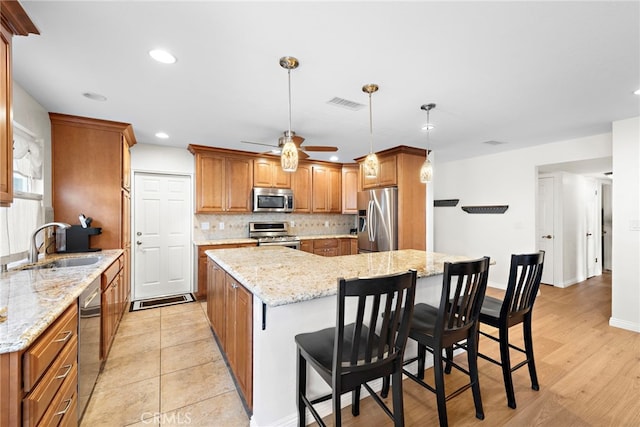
489 209
445 202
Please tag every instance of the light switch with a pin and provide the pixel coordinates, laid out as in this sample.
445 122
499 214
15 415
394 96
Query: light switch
221 225
204 225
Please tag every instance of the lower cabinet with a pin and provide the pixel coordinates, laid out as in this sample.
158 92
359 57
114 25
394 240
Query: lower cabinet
230 312
115 295
38 386
330 247
201 292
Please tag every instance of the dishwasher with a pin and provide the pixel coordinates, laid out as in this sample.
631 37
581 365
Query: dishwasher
89 363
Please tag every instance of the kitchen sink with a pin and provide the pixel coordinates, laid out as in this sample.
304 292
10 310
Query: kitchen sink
64 262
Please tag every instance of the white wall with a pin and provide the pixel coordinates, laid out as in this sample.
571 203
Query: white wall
625 310
507 178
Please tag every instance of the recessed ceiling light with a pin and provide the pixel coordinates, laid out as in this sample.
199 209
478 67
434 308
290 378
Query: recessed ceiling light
276 151
162 56
333 158
637 92
94 96
162 135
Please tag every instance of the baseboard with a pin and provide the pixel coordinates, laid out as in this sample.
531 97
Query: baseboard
624 324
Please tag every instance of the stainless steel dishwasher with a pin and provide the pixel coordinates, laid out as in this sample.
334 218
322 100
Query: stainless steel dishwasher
88 343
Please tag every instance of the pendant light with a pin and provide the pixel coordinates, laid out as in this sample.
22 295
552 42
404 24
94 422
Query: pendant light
426 171
289 156
371 164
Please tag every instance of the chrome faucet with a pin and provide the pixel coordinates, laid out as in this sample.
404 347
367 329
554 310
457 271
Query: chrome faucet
33 250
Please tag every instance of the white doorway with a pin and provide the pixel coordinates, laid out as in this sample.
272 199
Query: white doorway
607 222
546 232
592 228
161 235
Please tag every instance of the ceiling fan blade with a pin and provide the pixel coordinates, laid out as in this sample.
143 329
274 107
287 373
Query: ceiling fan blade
259 143
302 155
319 148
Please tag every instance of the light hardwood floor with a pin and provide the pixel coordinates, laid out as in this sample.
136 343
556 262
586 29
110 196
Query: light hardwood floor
589 372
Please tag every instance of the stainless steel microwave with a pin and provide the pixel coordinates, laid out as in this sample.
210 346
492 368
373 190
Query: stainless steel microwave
272 200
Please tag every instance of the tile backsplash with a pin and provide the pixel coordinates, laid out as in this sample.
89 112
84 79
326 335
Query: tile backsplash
230 226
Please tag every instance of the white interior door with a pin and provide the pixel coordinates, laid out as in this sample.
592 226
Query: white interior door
161 235
546 235
607 222
591 229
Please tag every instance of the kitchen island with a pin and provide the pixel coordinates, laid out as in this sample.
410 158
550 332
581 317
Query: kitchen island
294 292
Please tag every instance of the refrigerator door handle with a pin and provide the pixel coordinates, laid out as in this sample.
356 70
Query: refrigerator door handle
370 221
374 221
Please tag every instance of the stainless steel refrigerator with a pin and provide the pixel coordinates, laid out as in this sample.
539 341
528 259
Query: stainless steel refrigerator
378 220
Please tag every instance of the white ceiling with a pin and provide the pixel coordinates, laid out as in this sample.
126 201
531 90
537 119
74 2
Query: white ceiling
520 72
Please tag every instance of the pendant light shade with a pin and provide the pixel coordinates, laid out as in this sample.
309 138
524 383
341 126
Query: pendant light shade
371 164
426 171
289 156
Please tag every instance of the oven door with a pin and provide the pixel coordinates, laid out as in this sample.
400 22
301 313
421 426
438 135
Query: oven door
295 244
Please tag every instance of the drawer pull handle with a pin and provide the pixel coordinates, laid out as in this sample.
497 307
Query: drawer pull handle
66 337
68 367
66 408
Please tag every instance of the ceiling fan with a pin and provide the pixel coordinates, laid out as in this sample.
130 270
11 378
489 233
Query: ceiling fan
297 140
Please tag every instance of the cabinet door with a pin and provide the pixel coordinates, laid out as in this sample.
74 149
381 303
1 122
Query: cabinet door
244 335
239 180
6 129
345 246
219 314
334 191
230 325
349 189
387 174
262 173
210 187
306 245
301 185
320 185
126 164
202 290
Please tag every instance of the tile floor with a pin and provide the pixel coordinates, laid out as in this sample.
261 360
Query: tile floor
165 368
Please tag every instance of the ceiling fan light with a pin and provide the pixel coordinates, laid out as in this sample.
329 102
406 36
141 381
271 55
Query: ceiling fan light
371 165
426 171
289 156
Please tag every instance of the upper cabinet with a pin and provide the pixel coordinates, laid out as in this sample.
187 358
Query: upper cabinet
301 185
387 174
269 173
15 21
224 179
326 189
350 189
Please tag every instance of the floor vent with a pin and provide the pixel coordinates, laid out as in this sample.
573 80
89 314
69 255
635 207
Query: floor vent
161 302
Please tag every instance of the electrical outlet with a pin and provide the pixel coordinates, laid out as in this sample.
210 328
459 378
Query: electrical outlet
292 223
221 225
326 223
204 225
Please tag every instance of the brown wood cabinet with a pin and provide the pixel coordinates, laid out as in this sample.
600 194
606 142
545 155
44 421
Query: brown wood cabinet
400 166
224 179
269 173
350 187
203 286
306 246
326 247
38 386
326 189
348 246
15 21
114 301
230 311
301 182
330 246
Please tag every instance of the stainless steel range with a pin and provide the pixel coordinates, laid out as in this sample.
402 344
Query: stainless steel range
273 233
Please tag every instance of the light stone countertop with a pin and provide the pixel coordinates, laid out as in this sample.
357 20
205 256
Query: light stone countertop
243 240
280 276
34 299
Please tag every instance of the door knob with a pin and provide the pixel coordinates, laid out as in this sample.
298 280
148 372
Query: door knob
548 236
138 242
138 234
589 234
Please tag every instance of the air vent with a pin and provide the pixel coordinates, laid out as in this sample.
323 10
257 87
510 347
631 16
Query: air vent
493 142
345 103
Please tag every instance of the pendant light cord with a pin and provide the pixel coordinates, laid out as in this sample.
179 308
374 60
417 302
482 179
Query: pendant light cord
370 126
289 74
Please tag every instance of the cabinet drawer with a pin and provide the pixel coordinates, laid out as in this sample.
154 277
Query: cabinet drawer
37 402
63 410
111 272
40 355
325 243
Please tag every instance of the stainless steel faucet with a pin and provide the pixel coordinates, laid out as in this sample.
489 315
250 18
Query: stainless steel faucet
33 250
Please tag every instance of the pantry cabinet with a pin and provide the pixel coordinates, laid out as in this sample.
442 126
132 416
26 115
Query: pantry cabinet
230 311
224 180
38 386
15 21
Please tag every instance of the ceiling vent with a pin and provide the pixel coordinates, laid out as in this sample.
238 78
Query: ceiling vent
493 142
345 103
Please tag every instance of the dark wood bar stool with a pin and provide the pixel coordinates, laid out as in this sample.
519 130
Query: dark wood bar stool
437 329
515 308
367 343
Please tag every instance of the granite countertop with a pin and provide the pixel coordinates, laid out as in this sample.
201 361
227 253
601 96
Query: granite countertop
31 300
243 240
280 276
